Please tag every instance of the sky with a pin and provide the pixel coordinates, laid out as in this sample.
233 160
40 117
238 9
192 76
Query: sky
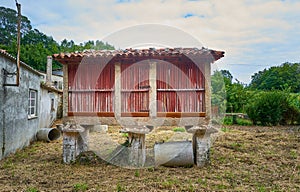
255 34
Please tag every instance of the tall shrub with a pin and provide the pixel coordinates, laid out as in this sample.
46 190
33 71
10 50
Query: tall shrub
292 113
267 108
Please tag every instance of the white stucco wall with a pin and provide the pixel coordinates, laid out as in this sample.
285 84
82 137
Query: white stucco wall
48 113
16 129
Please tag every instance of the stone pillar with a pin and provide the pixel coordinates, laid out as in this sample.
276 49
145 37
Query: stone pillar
65 91
49 71
152 93
137 156
117 90
69 146
207 75
201 143
137 146
75 141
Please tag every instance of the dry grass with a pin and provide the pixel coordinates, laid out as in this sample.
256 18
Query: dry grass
242 159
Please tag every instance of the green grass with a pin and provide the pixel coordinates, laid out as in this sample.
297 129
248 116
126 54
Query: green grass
120 187
8 164
80 187
137 173
237 146
240 121
225 129
31 189
202 182
169 183
179 129
293 154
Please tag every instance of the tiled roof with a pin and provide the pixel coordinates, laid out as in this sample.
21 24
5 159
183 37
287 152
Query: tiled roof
151 52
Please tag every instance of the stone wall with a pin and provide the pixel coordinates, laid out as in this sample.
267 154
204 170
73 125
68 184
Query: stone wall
16 129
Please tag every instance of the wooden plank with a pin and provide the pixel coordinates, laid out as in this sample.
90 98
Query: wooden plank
91 114
180 90
135 114
179 114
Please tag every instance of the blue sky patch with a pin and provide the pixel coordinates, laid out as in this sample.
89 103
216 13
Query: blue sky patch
123 1
188 15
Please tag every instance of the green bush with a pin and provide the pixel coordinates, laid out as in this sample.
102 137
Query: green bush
227 121
272 108
292 113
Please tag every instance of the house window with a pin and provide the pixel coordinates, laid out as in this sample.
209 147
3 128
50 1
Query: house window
32 104
52 105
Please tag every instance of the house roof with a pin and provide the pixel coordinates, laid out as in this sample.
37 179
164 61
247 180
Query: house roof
150 53
22 64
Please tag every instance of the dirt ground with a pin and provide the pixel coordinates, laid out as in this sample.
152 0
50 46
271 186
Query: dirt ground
242 159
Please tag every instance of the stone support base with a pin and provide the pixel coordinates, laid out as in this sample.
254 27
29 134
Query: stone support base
75 141
137 146
201 143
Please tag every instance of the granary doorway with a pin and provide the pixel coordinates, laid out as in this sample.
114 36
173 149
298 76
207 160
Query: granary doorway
135 89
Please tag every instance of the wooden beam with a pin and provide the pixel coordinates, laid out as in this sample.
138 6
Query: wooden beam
89 90
180 114
180 90
135 114
92 114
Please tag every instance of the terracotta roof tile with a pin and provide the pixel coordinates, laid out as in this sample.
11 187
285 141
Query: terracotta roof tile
151 52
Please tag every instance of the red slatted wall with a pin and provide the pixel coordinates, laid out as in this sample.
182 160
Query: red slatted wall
180 88
135 87
91 87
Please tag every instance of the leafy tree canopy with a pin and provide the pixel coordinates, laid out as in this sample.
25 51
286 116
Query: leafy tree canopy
224 91
8 25
285 76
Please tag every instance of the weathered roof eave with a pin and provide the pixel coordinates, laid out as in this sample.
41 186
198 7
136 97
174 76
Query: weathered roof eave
49 88
76 57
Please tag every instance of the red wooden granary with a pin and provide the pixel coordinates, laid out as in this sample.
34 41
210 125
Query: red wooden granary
158 85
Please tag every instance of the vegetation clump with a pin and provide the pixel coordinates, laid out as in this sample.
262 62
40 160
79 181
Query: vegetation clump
263 101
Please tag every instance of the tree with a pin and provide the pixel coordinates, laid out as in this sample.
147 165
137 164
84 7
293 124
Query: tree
218 92
236 96
8 25
227 77
285 76
100 45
